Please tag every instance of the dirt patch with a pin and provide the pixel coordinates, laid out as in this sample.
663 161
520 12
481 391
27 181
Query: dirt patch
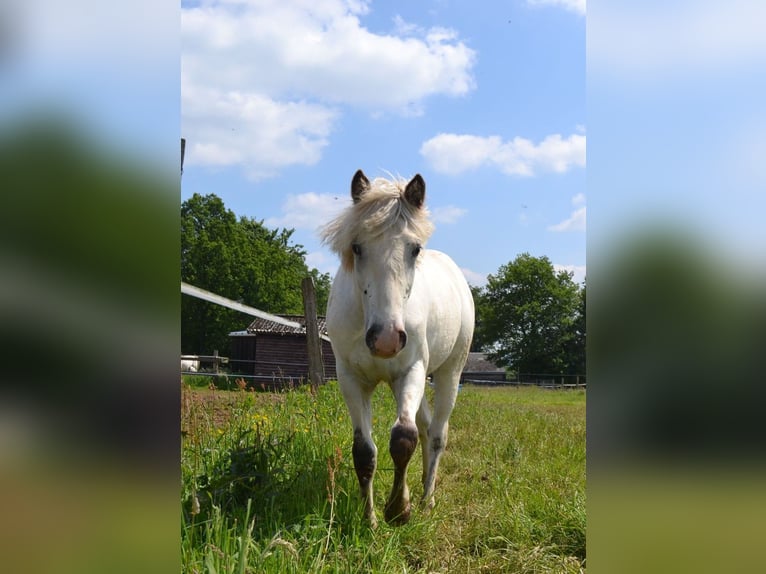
212 408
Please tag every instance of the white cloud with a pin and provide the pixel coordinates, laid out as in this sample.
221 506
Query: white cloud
575 222
453 154
309 210
474 278
577 270
323 261
447 214
252 131
573 5
404 28
283 69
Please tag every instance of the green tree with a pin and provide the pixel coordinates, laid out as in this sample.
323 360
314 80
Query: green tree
239 259
526 317
575 347
480 340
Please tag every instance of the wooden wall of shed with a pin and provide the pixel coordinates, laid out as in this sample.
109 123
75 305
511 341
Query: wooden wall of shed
497 376
281 357
328 359
241 350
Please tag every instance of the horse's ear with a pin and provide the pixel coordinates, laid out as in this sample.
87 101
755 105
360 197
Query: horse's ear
359 185
415 192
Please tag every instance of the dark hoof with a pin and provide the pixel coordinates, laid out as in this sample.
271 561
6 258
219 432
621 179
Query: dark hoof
396 517
372 521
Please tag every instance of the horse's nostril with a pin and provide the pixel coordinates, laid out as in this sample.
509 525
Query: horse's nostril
370 337
402 339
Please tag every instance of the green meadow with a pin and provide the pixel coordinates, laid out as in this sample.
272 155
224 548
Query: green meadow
268 484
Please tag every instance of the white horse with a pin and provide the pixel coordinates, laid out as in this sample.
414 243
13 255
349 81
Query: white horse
397 313
189 365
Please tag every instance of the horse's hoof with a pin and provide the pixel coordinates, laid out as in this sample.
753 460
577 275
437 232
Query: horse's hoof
427 505
396 517
370 518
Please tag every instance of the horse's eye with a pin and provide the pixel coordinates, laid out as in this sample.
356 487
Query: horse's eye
416 250
356 248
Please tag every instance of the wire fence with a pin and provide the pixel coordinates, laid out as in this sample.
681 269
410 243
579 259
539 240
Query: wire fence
272 374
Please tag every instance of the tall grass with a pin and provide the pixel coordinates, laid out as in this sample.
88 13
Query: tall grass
268 485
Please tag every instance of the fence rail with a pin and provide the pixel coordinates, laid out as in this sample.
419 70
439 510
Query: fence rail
216 359
543 383
283 373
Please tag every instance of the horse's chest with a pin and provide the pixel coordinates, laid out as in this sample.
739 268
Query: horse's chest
375 370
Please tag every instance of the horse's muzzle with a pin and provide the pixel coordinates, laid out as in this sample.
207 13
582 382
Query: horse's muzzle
385 343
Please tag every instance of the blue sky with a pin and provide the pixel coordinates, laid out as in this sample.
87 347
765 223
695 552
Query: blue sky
283 101
676 121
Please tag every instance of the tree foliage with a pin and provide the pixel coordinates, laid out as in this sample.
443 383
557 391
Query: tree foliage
531 319
575 347
240 259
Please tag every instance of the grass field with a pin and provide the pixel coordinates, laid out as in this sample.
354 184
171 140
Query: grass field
268 485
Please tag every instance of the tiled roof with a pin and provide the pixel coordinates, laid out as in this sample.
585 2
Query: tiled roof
478 363
265 326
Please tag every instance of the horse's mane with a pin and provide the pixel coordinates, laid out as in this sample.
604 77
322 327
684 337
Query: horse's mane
380 209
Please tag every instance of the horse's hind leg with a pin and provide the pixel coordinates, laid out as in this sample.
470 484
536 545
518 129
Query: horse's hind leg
445 393
423 421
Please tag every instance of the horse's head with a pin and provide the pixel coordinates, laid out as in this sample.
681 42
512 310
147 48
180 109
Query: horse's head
380 240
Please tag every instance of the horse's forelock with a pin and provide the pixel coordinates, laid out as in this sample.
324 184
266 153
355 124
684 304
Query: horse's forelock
378 210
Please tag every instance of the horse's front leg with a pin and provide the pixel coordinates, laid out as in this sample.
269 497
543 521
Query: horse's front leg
409 392
364 451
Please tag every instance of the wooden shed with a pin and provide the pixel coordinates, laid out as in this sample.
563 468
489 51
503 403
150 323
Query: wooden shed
273 355
480 370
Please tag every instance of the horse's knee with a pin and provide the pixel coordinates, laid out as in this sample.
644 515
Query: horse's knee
364 458
404 439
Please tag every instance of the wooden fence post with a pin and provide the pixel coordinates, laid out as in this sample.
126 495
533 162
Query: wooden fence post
316 367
